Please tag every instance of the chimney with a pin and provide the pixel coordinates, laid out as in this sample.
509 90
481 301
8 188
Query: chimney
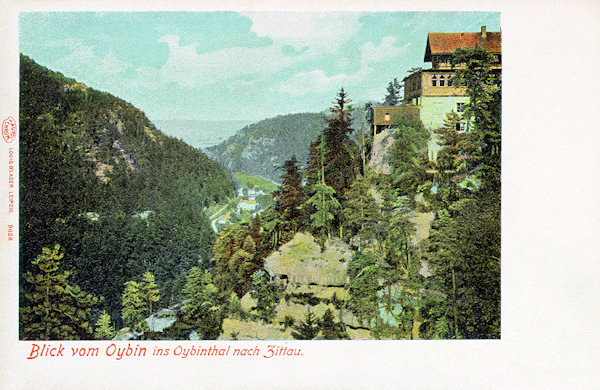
483 33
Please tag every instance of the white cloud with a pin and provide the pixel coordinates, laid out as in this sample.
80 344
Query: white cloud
190 69
317 81
385 51
323 31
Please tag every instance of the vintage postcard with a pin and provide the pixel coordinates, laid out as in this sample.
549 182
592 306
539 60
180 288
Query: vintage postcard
255 188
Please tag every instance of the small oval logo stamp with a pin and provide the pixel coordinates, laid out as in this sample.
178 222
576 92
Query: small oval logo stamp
9 129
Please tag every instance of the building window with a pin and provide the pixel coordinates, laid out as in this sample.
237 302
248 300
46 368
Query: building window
434 81
386 117
460 127
449 81
460 107
442 81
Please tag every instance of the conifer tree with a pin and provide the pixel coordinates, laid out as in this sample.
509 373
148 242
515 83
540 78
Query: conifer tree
53 309
138 299
484 107
290 197
340 159
393 90
330 329
307 329
149 291
323 201
265 295
133 304
204 305
360 210
104 329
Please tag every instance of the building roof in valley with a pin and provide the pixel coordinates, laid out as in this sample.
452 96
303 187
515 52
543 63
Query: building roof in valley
447 43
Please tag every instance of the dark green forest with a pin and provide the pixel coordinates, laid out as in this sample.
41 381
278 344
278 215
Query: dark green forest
138 241
117 195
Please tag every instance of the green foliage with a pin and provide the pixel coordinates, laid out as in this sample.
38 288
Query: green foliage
250 181
360 211
262 147
393 93
364 274
307 329
265 294
340 160
138 298
237 257
326 207
410 143
85 152
290 198
331 330
234 307
104 329
484 90
51 308
464 252
204 306
287 322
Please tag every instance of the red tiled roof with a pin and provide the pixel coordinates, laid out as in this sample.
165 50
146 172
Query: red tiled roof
447 43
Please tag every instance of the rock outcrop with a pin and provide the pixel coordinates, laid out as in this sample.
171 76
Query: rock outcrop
382 143
301 261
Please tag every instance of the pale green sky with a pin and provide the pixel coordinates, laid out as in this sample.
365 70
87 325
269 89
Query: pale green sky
228 65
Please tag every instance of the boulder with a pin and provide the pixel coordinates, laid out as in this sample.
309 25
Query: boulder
301 261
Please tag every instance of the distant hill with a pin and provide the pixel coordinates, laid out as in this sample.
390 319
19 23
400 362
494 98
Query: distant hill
262 147
200 134
118 195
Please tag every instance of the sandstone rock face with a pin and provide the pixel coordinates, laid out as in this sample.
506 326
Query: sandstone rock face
301 261
382 144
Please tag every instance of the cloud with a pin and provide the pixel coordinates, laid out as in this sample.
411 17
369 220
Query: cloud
189 69
317 81
323 31
385 51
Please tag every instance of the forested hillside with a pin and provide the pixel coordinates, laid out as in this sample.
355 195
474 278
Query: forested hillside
261 148
345 250
118 196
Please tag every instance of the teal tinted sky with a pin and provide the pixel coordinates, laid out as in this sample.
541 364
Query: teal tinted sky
228 65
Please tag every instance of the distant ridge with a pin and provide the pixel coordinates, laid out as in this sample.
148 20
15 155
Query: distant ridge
201 134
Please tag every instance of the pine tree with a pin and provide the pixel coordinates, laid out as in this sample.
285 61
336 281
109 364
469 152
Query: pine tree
290 197
265 295
326 208
138 299
204 305
393 93
149 291
307 329
52 309
104 329
484 91
330 329
340 153
323 201
133 304
360 210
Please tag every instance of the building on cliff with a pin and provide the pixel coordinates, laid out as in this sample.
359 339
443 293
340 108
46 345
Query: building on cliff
430 93
432 90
